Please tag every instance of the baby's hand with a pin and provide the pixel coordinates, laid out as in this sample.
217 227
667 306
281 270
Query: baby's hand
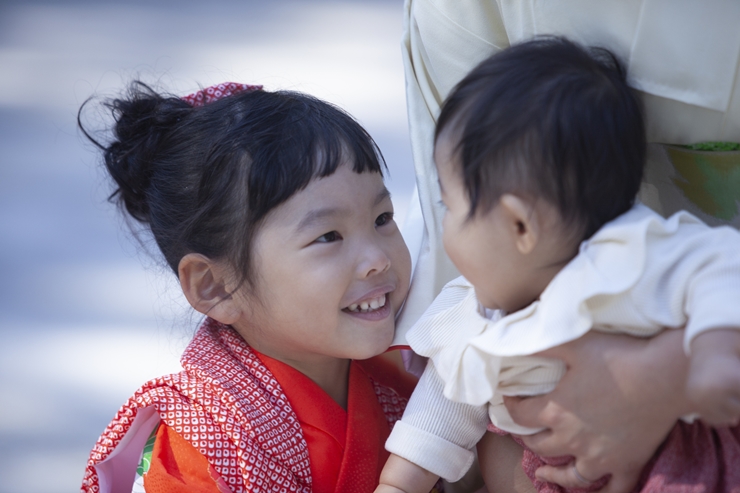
402 476
713 385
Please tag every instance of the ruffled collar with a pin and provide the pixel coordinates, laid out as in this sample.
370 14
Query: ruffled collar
455 334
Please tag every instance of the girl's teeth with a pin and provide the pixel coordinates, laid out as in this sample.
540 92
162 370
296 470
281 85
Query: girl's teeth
366 306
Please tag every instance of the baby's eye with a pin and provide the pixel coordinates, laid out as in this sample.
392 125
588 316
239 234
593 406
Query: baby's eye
384 219
442 204
329 237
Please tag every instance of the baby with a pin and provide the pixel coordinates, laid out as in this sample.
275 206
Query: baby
540 153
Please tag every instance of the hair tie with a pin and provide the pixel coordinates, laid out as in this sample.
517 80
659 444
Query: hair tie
216 92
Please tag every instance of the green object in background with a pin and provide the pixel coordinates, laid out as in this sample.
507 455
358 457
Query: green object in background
714 146
709 178
146 456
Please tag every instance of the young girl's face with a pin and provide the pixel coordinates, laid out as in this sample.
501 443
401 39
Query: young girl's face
331 271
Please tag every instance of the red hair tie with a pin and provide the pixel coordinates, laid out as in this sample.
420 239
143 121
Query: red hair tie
214 93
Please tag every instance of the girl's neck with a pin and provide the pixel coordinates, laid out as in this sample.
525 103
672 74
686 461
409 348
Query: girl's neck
330 374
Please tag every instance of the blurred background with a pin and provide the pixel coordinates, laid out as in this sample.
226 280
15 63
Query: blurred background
86 315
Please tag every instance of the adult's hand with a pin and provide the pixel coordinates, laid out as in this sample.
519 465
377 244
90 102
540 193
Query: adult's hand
615 405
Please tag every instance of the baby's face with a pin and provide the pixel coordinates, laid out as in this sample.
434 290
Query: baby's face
483 247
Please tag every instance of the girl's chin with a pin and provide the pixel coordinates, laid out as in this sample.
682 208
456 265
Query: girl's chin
372 348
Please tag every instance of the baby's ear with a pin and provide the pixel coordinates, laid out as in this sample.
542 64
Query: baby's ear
206 287
523 221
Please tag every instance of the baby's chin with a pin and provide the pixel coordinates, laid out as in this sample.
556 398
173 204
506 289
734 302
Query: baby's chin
486 300
508 305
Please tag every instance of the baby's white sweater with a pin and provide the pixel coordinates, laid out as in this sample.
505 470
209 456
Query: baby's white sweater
637 275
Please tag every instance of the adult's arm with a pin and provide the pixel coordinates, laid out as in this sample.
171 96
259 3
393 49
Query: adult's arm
619 399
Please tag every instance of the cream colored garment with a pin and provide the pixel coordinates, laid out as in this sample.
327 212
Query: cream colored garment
636 275
683 54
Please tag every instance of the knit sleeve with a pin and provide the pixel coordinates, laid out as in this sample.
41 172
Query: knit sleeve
436 433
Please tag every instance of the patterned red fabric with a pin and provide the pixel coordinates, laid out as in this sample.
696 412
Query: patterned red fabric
216 92
694 458
233 410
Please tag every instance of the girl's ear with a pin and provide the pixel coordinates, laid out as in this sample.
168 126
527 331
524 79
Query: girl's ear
523 221
205 286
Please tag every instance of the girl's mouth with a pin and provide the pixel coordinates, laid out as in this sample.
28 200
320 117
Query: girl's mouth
371 309
369 305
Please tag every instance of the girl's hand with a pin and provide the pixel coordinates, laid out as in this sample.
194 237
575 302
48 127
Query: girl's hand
615 405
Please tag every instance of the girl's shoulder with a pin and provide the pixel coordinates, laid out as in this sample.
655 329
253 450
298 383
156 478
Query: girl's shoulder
226 426
118 449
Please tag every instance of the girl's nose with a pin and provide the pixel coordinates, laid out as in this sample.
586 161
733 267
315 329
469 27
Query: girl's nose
374 260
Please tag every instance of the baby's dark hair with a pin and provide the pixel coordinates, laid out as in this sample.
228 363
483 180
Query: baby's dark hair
204 178
553 120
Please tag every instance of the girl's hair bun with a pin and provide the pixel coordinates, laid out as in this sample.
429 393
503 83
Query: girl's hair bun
143 121
203 178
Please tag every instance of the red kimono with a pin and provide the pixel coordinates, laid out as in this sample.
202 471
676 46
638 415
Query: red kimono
235 420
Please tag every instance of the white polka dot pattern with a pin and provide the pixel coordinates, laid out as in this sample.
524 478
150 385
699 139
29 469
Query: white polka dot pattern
216 92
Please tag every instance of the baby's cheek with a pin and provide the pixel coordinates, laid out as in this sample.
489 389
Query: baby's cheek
448 241
454 245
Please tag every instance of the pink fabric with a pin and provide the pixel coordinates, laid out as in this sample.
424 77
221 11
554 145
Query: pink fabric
233 410
694 458
216 92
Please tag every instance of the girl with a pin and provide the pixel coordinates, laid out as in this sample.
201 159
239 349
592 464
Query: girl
540 153
271 210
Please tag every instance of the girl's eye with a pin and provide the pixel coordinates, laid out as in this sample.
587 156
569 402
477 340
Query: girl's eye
329 237
384 219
